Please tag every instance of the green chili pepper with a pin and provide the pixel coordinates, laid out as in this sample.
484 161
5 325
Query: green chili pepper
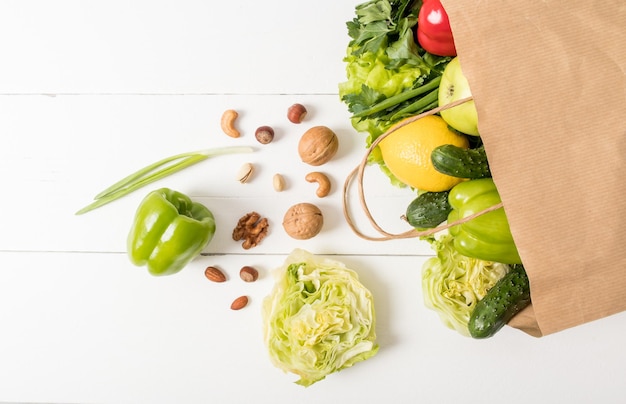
169 230
486 237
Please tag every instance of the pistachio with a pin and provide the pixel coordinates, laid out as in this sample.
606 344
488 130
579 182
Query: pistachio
245 173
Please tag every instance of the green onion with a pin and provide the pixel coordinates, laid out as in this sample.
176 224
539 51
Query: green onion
399 98
156 171
428 101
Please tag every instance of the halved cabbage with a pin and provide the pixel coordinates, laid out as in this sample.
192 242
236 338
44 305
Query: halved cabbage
453 283
318 319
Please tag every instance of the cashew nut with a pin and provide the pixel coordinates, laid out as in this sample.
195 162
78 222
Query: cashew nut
228 123
323 182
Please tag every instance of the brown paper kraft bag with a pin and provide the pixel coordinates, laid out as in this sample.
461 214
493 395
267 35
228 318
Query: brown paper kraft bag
549 82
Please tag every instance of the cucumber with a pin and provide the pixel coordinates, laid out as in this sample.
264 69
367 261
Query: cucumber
428 210
503 301
459 162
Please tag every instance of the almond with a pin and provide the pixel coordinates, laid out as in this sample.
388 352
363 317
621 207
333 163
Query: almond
239 303
248 274
214 274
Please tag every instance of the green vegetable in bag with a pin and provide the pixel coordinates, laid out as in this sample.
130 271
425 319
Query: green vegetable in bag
486 237
453 284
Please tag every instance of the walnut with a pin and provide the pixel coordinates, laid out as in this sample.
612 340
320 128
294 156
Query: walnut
303 221
251 228
318 145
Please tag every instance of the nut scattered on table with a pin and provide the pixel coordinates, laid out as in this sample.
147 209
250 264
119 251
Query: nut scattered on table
239 303
248 274
296 113
214 274
303 221
264 134
252 229
278 182
245 173
228 123
323 183
318 145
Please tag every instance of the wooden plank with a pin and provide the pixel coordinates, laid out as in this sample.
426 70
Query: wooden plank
80 327
58 152
187 46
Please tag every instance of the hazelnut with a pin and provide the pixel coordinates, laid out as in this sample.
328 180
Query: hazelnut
264 134
303 221
248 274
318 145
296 113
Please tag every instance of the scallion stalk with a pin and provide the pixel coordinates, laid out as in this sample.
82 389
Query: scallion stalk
429 100
400 98
156 171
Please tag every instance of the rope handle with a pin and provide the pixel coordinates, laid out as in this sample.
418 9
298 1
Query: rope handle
358 172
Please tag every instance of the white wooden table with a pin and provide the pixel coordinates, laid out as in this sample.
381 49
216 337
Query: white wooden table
91 91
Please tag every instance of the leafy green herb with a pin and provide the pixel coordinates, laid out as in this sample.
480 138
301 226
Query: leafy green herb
370 27
360 103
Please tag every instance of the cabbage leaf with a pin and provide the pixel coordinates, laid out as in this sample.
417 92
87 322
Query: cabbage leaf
318 318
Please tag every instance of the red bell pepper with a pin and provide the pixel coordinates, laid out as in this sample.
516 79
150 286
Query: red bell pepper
433 29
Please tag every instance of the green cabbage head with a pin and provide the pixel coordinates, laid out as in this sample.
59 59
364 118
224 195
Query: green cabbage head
318 319
453 283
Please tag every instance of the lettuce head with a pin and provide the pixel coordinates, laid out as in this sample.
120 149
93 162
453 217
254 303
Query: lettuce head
318 319
453 283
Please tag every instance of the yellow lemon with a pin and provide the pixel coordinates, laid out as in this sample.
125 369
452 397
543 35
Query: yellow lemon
406 152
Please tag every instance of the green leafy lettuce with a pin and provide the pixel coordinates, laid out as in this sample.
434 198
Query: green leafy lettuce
318 319
453 283
386 69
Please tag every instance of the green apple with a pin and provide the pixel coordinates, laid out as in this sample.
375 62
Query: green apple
454 86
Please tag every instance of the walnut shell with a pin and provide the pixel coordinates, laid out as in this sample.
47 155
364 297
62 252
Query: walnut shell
303 221
318 145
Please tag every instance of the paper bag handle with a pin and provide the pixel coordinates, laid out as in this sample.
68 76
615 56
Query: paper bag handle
359 171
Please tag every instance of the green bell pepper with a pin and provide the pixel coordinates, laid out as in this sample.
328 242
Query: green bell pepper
486 237
169 230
